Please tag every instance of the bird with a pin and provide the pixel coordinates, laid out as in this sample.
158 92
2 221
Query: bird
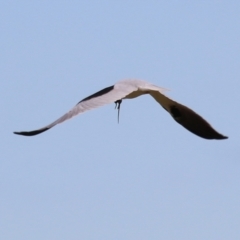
132 88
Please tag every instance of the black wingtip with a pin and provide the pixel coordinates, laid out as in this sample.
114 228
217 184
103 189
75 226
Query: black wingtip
31 133
221 137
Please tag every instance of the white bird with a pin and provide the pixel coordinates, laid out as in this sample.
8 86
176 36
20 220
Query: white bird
128 89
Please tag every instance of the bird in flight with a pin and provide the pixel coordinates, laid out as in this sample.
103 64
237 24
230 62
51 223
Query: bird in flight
128 89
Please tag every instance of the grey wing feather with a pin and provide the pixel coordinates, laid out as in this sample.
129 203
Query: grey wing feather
94 101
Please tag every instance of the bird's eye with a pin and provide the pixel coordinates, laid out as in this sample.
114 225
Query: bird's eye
175 112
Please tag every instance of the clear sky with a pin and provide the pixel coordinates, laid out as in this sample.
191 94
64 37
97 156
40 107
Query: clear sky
146 177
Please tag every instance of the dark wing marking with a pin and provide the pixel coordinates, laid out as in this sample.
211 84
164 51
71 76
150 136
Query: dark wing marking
187 117
100 98
194 122
32 133
98 94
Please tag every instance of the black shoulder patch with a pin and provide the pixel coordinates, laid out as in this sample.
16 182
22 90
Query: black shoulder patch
99 93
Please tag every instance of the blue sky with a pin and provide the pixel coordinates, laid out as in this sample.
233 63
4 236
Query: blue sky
147 177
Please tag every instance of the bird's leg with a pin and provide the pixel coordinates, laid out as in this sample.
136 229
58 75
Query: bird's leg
118 103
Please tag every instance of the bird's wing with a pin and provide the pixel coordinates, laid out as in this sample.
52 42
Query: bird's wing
186 117
100 98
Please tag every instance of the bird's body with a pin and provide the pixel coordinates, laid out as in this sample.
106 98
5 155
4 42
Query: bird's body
128 89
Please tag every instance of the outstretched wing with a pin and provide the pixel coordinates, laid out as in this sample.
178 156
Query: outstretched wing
187 117
100 98
131 89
